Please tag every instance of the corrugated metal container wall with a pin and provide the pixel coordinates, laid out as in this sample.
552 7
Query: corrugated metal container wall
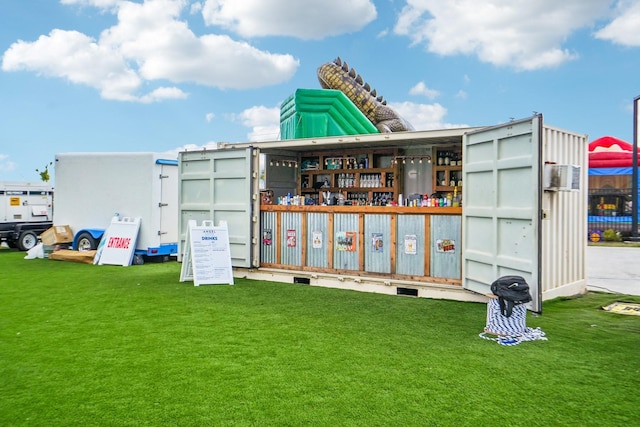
290 236
445 261
564 223
270 241
317 240
377 256
410 245
344 225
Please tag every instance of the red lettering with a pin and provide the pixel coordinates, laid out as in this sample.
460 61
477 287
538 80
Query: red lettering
119 242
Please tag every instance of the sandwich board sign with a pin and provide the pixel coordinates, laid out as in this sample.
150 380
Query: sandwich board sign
118 243
207 255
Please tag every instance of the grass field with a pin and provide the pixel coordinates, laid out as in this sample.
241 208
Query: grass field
85 345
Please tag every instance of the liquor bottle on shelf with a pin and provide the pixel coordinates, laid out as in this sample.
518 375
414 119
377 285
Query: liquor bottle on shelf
456 197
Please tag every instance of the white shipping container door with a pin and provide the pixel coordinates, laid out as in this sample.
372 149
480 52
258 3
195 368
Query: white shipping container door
501 218
222 185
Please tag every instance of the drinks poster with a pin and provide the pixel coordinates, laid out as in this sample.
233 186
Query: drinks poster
291 238
377 244
446 246
346 241
317 240
266 237
410 244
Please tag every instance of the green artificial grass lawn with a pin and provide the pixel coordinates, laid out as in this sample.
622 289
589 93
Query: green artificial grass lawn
87 345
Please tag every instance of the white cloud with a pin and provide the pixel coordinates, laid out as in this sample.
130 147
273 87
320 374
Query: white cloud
103 4
309 19
424 116
195 8
461 94
421 89
522 34
209 117
264 121
148 45
78 58
6 165
623 29
163 93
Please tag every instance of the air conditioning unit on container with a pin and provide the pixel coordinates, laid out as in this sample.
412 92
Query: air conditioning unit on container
561 177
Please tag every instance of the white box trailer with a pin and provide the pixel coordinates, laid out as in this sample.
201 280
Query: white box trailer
25 212
510 223
91 188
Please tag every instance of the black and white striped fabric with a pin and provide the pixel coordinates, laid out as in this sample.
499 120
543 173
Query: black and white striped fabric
510 330
497 324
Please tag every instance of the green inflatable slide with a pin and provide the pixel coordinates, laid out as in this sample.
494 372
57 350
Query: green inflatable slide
311 113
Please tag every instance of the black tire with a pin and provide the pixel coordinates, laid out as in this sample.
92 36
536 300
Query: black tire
86 242
11 244
27 240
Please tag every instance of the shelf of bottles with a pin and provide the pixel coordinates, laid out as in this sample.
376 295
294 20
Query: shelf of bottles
447 170
359 178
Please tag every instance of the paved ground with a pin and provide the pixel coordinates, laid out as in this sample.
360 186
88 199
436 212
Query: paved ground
614 270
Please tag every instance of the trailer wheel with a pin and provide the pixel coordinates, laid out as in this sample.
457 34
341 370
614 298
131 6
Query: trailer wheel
27 240
86 242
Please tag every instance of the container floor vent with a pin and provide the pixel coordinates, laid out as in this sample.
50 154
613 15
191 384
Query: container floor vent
302 280
407 291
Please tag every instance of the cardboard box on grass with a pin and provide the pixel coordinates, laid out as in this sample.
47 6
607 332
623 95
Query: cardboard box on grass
56 235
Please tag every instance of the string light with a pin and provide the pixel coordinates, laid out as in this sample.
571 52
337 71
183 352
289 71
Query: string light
284 162
412 159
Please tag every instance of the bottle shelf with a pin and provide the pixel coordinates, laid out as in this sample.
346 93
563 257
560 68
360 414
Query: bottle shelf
447 169
365 174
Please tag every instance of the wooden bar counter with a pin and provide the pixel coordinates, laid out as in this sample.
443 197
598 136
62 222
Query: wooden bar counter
420 244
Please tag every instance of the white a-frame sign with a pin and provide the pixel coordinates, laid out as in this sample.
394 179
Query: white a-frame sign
207 255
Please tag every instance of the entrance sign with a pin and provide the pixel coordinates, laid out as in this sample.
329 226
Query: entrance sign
118 243
207 256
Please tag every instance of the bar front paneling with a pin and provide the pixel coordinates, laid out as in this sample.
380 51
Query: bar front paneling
269 239
446 246
346 235
421 244
410 249
292 238
317 240
377 236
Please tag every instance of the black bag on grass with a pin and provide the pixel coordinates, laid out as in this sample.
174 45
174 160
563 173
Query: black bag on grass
511 291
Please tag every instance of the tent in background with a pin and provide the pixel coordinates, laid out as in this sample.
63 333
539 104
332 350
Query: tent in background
610 152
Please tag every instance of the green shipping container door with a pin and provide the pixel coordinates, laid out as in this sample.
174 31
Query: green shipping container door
310 113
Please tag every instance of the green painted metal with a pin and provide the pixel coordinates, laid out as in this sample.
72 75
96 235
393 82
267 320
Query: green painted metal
310 113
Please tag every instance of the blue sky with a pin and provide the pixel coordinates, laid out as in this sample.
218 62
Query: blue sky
170 75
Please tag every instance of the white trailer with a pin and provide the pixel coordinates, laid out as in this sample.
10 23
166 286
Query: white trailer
25 212
93 187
